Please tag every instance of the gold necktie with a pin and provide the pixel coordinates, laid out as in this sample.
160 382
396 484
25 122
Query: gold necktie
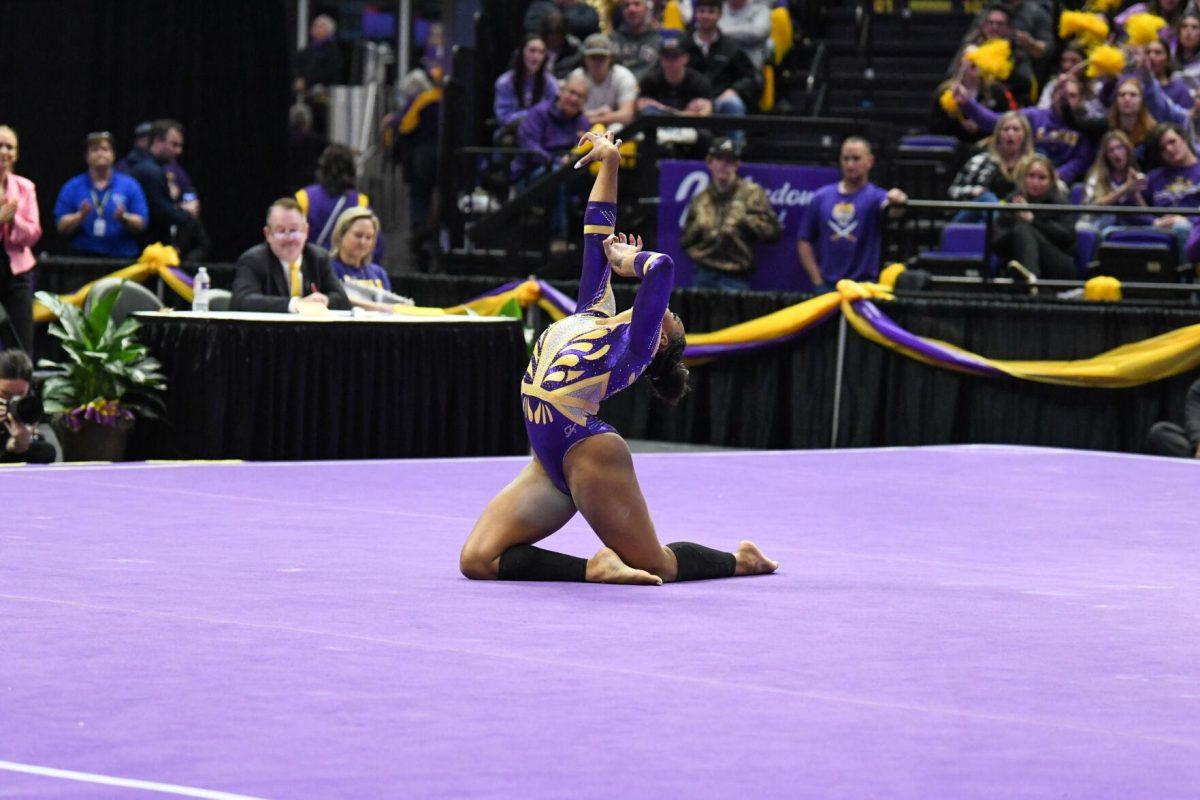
294 273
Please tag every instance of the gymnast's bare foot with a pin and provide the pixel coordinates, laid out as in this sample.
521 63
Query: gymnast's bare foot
607 567
751 561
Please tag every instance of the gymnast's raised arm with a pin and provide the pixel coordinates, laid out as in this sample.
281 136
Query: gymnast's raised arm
599 221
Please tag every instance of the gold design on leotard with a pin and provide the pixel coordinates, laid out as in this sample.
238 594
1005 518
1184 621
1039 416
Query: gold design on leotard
598 354
603 230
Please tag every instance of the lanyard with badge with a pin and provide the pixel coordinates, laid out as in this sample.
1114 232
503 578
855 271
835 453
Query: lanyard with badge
99 202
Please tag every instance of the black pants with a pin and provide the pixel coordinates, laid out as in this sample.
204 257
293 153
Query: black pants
1168 439
16 295
1036 253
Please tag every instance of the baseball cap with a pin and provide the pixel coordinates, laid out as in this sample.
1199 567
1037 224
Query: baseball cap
725 149
597 45
671 43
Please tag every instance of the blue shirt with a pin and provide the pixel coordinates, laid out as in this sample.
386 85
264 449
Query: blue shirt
845 232
371 275
115 241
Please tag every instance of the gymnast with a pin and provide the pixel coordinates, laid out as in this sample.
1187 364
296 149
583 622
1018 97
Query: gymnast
579 462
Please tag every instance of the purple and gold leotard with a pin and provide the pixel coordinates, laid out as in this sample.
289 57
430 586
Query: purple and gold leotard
591 355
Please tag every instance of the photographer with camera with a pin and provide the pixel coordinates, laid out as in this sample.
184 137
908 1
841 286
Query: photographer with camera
20 412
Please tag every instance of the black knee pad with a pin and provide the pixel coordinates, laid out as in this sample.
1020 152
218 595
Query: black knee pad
698 563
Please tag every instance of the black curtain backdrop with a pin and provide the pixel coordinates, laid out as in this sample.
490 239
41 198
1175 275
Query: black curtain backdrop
221 67
782 397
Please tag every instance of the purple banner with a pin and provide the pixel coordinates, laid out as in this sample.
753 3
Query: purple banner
789 187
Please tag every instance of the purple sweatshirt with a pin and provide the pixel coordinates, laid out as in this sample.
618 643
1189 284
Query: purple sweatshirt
544 129
1067 148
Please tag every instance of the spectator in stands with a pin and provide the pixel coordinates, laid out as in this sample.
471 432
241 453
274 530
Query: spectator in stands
582 20
1071 58
525 84
1114 180
841 230
168 218
1169 439
1176 184
989 176
748 24
285 272
612 89
736 83
1129 115
335 190
1030 29
673 87
101 210
637 41
563 51
20 230
1187 50
19 442
304 146
551 129
1042 244
1158 57
411 137
1066 147
992 95
319 65
140 149
725 220
996 22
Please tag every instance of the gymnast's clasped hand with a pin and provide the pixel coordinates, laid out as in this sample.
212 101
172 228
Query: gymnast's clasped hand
604 147
620 250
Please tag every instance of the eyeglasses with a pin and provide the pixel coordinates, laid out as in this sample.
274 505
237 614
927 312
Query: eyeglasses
281 236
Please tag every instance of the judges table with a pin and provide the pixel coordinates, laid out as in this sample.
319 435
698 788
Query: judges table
280 386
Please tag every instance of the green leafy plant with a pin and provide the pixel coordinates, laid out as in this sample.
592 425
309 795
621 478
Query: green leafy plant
109 375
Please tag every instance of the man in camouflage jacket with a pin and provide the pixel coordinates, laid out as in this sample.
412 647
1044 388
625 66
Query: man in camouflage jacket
724 221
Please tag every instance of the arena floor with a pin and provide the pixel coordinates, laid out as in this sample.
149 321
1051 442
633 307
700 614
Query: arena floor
947 622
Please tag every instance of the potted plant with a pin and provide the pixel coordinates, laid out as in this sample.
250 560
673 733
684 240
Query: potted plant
107 380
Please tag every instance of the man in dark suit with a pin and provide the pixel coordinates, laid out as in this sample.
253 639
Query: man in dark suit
285 271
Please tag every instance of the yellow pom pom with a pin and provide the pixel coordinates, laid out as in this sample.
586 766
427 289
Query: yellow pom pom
993 58
1104 61
1103 6
1144 28
1090 29
948 103
1102 289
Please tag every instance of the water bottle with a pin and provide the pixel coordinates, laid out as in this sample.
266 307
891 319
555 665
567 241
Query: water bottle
200 291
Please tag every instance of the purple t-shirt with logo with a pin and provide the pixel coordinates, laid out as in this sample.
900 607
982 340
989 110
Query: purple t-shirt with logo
1177 187
845 232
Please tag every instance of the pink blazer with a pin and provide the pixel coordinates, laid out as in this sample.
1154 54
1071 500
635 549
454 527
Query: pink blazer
26 228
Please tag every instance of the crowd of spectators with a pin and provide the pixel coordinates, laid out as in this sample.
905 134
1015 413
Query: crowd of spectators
574 71
1113 137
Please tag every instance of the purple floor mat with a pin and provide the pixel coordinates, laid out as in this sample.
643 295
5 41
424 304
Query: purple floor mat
947 623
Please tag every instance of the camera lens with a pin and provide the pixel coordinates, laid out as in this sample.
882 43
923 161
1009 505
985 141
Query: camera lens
26 409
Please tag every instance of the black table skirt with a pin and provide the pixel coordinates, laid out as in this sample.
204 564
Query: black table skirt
315 390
